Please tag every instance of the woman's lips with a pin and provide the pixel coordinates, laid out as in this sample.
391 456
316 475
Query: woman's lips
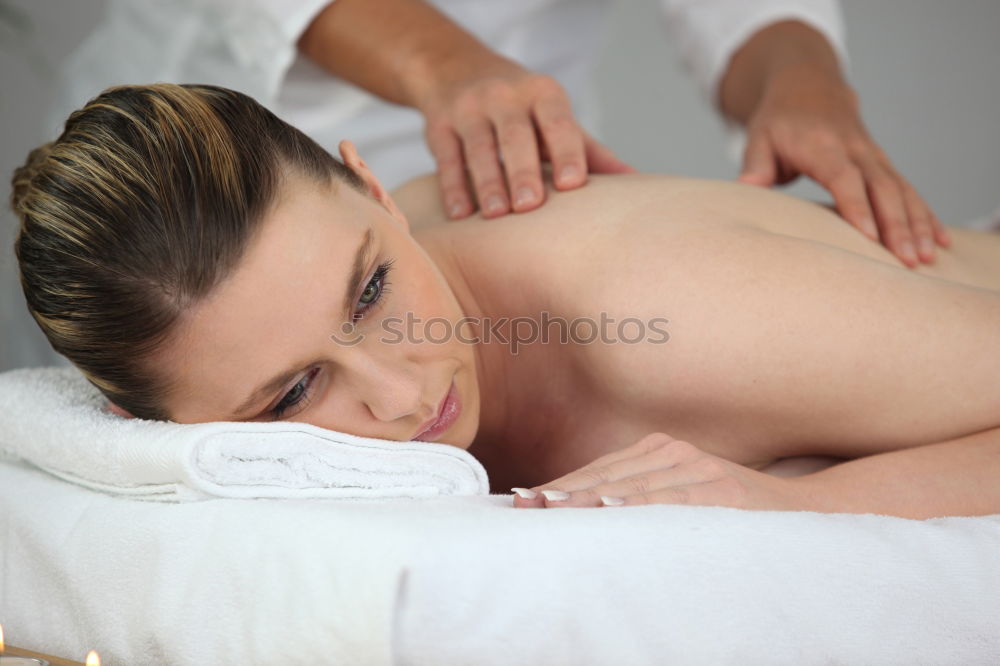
450 408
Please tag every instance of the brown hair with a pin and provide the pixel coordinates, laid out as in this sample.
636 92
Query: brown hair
141 207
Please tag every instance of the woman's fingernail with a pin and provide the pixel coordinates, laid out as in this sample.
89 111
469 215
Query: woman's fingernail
456 208
525 196
869 226
909 252
525 493
555 495
612 501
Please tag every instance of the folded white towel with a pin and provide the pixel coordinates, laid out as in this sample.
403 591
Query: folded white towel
57 420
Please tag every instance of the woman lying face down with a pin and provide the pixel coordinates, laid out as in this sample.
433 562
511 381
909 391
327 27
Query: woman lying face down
199 260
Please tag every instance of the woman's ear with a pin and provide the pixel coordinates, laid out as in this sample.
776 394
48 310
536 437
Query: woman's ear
115 409
349 154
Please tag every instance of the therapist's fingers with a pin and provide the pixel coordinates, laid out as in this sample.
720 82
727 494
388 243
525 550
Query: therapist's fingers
563 139
521 161
446 148
921 222
845 181
490 133
927 228
812 125
941 235
759 161
891 213
479 147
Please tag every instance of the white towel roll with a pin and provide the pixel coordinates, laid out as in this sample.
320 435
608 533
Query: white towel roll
55 419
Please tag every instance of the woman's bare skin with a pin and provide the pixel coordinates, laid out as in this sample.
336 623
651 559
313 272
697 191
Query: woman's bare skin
790 333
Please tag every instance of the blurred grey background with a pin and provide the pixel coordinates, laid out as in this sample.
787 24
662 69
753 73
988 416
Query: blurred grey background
927 71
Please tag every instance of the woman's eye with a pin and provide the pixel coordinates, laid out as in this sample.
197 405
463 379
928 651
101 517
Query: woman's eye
296 395
376 288
370 293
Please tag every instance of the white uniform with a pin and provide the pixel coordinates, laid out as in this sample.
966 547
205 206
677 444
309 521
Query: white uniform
249 45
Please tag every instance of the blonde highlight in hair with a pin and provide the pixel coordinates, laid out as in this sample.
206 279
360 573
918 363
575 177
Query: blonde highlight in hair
146 202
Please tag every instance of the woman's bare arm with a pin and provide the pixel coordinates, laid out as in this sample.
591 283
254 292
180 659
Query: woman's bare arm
953 478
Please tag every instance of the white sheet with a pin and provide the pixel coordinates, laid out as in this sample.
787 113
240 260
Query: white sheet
470 580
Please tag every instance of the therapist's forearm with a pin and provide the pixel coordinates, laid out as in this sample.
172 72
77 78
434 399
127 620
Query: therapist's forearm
788 50
956 478
400 50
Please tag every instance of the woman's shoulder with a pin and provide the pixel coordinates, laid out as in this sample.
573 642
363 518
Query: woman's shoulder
622 200
593 230
586 231
420 199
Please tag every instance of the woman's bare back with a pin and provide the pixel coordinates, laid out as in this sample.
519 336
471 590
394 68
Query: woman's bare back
789 332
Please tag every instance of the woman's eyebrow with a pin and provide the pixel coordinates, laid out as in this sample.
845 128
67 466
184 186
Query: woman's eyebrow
357 272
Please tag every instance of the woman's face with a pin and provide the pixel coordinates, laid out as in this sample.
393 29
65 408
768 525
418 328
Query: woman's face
304 331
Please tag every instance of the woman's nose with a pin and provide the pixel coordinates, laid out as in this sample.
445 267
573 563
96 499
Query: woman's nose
390 391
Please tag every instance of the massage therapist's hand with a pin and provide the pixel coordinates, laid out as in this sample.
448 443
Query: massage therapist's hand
807 126
659 469
498 122
785 86
485 115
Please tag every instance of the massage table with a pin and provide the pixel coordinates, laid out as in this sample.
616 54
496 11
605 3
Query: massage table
244 543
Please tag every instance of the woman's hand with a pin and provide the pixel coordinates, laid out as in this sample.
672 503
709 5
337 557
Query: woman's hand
659 469
809 124
499 122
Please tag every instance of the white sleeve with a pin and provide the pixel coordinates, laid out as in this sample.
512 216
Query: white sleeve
709 32
262 35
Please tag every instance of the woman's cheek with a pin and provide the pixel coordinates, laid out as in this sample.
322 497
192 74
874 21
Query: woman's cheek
393 324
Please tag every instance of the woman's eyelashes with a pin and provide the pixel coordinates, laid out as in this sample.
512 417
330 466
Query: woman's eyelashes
375 290
298 395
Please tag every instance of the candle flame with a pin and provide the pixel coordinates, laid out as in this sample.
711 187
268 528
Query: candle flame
1 639
93 659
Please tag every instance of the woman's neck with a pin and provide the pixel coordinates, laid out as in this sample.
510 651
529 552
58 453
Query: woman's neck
509 398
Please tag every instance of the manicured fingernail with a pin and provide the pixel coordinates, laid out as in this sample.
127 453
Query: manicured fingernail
555 495
456 208
526 493
908 251
494 204
612 501
525 196
569 175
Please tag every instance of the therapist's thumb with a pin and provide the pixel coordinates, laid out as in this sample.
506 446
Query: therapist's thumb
758 162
